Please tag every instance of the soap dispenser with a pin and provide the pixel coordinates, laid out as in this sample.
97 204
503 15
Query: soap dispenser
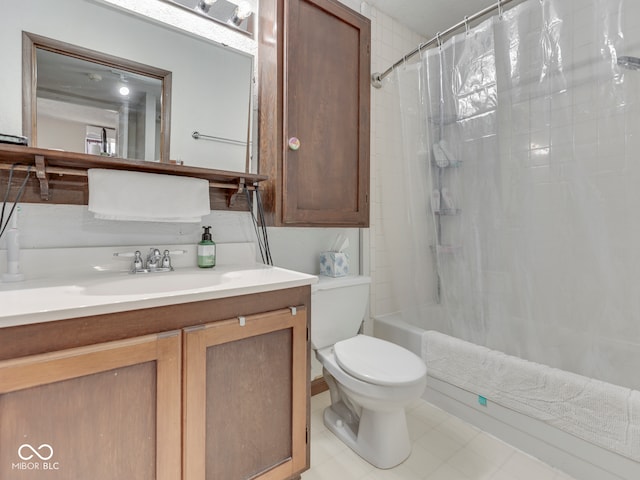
206 250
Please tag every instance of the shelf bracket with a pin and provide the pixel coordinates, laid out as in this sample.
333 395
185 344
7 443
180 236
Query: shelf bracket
41 174
233 196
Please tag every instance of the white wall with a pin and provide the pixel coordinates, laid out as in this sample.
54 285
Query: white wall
62 134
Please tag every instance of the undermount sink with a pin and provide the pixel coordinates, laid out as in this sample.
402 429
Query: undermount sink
150 283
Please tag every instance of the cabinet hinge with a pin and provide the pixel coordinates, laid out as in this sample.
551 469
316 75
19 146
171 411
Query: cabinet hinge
306 430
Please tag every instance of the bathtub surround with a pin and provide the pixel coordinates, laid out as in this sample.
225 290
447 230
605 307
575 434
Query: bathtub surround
570 402
582 459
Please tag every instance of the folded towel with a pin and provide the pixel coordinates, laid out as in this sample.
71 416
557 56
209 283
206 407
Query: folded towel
147 197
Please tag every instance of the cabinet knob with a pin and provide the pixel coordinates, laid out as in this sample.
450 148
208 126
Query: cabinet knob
294 143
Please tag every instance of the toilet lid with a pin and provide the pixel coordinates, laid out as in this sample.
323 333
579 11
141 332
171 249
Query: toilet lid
378 361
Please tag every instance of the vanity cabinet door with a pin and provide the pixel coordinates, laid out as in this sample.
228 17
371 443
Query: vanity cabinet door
246 397
107 411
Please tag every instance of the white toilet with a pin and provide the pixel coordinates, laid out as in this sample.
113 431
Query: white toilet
370 380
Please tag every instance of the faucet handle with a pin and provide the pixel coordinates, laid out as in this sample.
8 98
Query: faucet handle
138 264
166 260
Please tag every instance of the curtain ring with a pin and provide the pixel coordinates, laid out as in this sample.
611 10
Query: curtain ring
500 9
439 40
466 24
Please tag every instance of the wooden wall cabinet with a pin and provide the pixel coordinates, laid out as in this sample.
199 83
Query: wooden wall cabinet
227 399
314 122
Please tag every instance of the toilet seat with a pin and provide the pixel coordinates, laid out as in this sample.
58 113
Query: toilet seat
378 362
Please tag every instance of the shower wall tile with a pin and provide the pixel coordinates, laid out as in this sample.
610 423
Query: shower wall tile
390 42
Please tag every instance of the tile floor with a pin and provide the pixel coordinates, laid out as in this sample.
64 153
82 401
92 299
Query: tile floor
444 448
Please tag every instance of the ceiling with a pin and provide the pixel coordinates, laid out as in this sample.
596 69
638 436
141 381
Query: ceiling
428 17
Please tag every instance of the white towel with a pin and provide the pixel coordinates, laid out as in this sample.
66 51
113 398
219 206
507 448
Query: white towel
147 197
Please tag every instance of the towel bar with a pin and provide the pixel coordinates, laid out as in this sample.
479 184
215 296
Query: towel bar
197 135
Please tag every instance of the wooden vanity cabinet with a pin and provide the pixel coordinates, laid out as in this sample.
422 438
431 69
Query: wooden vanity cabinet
105 411
245 397
222 392
314 119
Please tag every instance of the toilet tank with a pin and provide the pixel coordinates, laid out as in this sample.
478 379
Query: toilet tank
338 306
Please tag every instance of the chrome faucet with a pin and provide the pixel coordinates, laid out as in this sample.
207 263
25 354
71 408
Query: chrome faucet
155 261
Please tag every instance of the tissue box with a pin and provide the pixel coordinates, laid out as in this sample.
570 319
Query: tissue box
334 264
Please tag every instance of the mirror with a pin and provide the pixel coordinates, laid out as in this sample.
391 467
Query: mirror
88 102
211 83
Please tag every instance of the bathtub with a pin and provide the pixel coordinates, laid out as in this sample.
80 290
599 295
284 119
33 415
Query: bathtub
579 458
396 329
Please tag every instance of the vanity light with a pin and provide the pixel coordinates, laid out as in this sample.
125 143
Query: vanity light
204 5
242 12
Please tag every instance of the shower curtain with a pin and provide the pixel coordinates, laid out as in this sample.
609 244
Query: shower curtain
520 187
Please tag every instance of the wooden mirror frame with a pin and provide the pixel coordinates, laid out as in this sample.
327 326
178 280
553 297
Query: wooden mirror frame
30 42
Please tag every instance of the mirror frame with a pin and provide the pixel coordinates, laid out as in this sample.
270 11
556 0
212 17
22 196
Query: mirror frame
30 42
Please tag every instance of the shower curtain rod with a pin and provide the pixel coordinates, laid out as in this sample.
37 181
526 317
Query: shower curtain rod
376 78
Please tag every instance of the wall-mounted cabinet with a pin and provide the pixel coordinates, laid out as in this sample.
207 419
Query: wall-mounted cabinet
314 124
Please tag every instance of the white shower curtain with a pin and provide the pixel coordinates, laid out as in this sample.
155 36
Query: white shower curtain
528 131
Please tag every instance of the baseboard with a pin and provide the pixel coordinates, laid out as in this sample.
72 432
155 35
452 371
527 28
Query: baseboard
578 458
318 385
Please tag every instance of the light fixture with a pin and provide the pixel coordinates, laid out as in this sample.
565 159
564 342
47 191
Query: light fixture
124 90
242 12
204 5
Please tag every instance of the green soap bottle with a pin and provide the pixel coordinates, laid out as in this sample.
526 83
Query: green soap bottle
206 250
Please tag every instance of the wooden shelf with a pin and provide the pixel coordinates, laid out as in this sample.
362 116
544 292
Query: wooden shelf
61 177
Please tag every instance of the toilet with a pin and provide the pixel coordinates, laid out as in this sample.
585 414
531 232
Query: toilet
370 380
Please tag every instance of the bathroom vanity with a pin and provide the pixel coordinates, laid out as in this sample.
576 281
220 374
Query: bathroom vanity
202 381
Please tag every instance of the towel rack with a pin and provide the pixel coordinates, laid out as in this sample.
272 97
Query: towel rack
47 164
197 135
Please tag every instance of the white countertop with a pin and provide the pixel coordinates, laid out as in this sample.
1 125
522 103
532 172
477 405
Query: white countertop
60 297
